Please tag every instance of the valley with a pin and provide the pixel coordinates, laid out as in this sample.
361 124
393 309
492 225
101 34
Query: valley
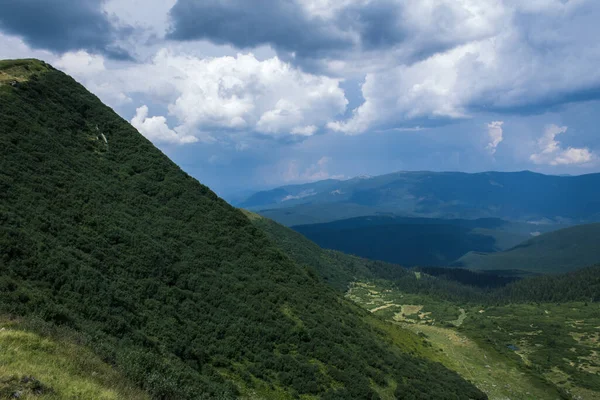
517 351
532 338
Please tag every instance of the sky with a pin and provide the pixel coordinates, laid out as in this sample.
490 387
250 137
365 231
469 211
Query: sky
249 94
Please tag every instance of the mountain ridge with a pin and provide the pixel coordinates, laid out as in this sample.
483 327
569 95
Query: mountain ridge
520 196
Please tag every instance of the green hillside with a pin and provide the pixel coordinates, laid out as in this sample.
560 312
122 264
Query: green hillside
52 367
559 251
413 241
101 233
335 268
467 319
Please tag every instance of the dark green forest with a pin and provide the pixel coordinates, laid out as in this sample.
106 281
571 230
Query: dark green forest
405 241
103 235
554 252
452 284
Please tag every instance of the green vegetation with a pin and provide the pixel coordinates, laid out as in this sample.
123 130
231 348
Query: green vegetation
164 280
517 351
13 72
556 341
554 252
405 241
448 284
496 332
335 268
51 367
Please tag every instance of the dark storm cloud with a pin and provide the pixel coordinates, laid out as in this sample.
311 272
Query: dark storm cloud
553 102
286 25
62 25
246 23
378 25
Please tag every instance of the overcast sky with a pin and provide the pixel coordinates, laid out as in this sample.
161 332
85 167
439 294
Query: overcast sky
246 94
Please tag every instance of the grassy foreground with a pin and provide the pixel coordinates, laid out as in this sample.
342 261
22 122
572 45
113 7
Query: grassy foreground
37 367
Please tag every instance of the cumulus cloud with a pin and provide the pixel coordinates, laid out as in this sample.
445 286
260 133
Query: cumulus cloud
551 152
217 95
156 129
62 25
495 135
240 93
546 56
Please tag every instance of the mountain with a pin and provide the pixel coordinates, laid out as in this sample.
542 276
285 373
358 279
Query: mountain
522 196
554 252
413 241
456 312
102 235
336 268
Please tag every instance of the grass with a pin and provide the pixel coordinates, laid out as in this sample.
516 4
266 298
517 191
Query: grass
19 70
490 372
518 351
37 367
556 341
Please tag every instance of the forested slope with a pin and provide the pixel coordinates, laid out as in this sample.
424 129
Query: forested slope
102 234
560 251
335 268
405 241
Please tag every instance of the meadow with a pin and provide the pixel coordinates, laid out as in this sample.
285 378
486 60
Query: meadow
516 351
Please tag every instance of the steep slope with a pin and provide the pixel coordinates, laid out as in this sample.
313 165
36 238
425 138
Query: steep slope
336 268
555 252
410 241
441 304
102 233
524 196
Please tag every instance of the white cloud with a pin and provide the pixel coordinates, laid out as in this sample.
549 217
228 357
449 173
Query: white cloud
12 47
550 151
156 129
495 135
242 92
314 172
219 95
301 195
81 63
237 93
308 130
545 55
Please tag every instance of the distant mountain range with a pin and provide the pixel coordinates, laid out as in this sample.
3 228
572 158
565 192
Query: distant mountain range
517 196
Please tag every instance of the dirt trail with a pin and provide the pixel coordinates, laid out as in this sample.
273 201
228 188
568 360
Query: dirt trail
384 307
